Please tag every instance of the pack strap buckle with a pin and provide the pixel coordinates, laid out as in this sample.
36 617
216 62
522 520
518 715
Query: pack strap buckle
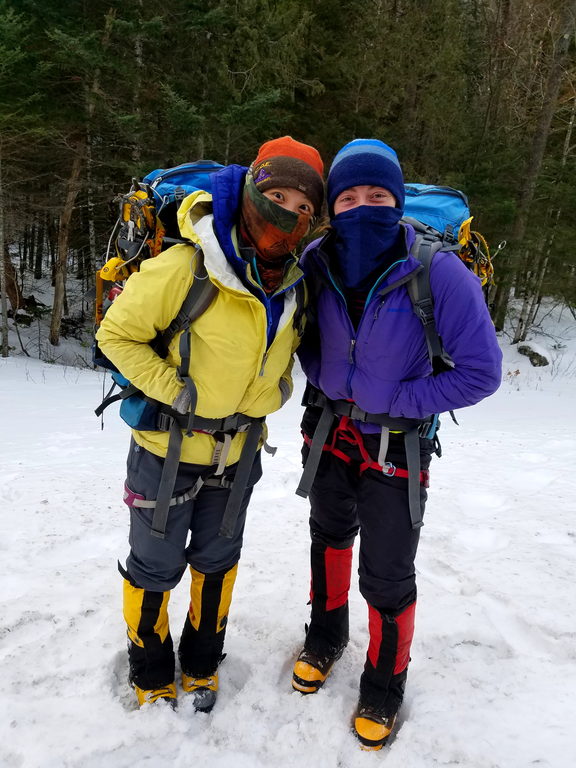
425 311
221 451
164 421
357 413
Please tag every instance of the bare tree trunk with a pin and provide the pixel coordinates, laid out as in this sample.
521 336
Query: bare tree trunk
89 267
535 278
91 95
63 236
227 145
537 298
26 247
52 239
536 157
530 280
501 299
12 287
3 298
542 132
36 254
499 62
136 106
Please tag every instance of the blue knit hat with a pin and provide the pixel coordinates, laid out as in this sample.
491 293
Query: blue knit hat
366 162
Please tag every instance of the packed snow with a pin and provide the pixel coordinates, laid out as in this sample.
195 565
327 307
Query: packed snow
493 672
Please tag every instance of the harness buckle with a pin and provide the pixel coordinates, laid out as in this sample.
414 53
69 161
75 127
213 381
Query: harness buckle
388 469
228 423
357 414
164 421
424 428
221 451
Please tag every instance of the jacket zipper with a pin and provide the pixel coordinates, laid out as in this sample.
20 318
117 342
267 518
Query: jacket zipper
269 323
352 346
352 361
351 351
264 361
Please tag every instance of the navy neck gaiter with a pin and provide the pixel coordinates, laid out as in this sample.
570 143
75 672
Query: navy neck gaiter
366 237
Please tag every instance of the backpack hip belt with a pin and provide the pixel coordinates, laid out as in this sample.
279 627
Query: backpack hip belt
412 429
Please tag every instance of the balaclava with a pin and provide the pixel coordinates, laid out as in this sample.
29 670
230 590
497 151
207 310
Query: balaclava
274 231
367 235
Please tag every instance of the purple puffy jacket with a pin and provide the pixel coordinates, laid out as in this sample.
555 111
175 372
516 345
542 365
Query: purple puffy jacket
383 366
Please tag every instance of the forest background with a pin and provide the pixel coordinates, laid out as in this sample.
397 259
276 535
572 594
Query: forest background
476 94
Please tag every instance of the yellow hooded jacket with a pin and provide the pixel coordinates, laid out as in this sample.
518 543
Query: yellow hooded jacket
230 365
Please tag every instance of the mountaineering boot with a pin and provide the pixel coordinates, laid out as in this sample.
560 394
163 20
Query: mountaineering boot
167 693
372 728
327 635
150 650
204 690
311 670
384 678
202 641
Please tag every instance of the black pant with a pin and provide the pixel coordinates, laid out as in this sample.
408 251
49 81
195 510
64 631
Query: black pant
154 566
192 528
344 502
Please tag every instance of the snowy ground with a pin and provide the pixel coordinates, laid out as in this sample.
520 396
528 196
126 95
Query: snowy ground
493 675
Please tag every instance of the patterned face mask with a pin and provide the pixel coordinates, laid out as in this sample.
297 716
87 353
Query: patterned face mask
272 230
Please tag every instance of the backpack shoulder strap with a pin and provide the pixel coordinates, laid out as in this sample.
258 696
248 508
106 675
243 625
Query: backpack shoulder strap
420 293
302 302
198 299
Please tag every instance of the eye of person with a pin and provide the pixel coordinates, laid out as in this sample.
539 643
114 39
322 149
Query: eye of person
305 208
278 195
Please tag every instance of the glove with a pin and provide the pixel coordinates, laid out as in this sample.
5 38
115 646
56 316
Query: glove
182 401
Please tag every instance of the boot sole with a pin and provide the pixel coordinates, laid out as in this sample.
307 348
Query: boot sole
371 745
203 699
310 686
305 686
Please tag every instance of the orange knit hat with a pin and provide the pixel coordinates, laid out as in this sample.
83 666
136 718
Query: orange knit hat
286 146
285 162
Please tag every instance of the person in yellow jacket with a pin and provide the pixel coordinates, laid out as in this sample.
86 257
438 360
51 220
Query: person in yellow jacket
189 483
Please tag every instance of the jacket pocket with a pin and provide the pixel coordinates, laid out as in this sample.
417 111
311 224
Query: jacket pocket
135 453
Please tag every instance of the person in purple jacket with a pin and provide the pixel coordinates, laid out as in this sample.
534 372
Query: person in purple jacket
371 418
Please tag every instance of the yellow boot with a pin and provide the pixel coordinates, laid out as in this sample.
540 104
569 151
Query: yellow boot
167 693
310 670
372 729
204 690
150 650
202 640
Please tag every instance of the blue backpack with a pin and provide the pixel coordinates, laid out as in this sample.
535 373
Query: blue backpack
442 210
442 216
441 219
147 225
